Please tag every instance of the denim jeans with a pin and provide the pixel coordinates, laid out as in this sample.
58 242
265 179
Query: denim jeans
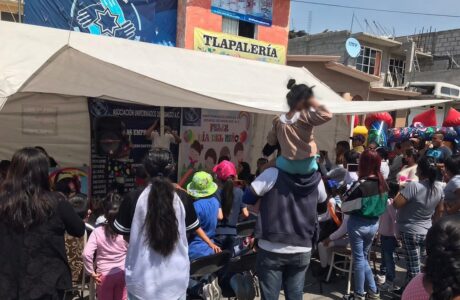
362 232
388 246
287 271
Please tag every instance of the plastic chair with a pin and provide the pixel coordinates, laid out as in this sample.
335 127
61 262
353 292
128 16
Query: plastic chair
209 265
345 265
246 228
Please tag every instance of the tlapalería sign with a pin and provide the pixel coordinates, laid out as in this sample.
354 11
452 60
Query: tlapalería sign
227 44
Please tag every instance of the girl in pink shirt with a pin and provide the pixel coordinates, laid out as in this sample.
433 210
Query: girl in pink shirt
110 249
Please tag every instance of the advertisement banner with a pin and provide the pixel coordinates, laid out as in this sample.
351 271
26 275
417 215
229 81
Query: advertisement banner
208 135
152 21
119 143
227 44
254 11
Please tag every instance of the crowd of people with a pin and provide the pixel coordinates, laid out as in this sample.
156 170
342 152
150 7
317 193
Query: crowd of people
305 205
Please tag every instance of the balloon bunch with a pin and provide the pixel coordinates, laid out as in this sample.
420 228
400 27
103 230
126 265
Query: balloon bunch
424 133
378 123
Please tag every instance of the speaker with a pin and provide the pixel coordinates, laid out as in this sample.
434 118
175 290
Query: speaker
109 136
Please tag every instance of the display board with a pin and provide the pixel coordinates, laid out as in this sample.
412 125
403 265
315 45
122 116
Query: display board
208 135
152 21
254 11
121 128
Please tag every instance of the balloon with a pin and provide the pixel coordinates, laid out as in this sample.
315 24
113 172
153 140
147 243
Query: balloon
427 118
356 123
360 130
189 137
378 133
451 134
452 119
243 136
381 116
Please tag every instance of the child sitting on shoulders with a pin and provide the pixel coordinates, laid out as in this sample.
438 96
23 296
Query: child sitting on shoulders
294 130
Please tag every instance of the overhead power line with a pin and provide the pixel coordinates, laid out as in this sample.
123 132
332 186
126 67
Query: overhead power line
377 9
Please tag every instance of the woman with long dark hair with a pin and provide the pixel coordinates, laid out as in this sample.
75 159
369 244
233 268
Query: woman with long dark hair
365 201
416 204
157 264
231 201
33 221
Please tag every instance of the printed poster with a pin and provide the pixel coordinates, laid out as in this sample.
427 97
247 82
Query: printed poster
233 45
121 127
151 21
208 135
254 11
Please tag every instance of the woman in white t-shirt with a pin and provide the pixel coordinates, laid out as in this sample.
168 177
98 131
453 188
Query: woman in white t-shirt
408 172
157 263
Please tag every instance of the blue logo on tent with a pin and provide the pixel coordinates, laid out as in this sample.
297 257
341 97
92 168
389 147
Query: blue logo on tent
107 18
152 21
353 47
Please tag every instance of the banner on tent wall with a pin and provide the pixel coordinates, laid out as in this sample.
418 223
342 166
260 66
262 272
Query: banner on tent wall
152 21
119 129
208 135
227 44
254 11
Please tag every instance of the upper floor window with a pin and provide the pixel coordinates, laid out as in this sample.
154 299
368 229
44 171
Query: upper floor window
369 60
397 68
238 27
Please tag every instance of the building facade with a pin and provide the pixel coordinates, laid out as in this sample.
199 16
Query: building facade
199 28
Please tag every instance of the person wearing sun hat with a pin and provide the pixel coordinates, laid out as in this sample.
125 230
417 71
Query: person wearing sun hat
231 201
203 189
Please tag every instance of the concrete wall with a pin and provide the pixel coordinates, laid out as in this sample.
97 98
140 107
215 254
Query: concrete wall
440 44
448 76
328 43
197 13
340 83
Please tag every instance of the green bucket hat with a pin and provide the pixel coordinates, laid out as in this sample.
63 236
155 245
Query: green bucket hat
202 185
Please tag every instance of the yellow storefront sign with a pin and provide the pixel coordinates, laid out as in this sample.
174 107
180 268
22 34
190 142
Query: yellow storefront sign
227 44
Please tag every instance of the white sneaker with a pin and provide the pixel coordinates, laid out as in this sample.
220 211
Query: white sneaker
207 292
388 286
216 291
380 279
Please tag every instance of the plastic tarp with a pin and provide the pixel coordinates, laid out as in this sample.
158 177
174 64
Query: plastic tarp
44 60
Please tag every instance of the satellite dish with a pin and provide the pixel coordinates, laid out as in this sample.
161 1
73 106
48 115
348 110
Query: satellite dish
353 47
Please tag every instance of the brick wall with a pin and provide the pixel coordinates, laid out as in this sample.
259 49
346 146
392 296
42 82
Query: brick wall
440 44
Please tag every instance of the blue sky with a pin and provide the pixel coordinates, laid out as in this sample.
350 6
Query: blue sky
334 18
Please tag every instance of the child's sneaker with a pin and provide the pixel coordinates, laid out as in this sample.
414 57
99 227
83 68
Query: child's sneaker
373 296
353 296
380 279
388 286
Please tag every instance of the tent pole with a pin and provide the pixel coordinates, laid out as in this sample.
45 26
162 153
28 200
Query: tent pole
352 123
162 120
19 11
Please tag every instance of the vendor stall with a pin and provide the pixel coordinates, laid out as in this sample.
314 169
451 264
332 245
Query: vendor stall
47 76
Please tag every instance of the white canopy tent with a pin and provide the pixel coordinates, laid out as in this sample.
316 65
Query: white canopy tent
44 60
58 68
